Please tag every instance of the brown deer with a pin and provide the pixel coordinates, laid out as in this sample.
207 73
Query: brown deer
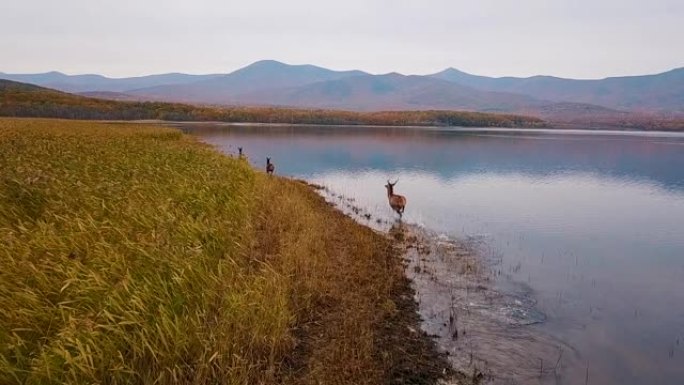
270 167
397 202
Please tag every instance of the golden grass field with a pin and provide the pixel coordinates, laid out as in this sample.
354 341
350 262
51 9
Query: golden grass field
133 254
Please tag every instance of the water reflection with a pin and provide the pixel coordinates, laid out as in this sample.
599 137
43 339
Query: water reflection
452 153
592 224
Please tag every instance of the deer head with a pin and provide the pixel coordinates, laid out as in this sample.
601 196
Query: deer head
390 186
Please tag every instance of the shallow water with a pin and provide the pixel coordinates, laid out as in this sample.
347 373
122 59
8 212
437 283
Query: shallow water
582 233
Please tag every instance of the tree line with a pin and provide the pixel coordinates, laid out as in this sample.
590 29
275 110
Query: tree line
23 100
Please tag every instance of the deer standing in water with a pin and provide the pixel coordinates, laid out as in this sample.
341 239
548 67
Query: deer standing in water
397 202
240 156
270 167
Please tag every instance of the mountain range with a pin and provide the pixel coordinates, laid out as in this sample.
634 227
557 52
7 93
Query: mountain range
661 92
272 83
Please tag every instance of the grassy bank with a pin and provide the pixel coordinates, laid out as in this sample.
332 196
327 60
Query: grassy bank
135 255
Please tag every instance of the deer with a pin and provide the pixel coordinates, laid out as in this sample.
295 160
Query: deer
240 156
270 167
397 202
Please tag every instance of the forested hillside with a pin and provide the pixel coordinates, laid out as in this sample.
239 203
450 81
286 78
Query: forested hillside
25 100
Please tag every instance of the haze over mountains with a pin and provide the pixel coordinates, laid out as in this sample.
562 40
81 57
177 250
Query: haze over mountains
271 83
99 83
661 92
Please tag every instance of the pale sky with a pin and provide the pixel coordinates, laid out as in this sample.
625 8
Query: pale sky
568 38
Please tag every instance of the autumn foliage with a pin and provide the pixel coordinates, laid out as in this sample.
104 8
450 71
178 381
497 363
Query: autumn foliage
24 100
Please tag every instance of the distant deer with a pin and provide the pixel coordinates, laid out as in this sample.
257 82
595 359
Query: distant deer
240 153
397 202
270 167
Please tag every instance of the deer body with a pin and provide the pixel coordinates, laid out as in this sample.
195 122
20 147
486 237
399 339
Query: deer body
396 202
270 167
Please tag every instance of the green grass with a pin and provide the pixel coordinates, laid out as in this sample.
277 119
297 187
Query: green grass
134 255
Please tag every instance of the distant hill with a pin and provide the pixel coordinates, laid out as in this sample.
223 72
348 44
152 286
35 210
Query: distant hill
389 92
612 102
260 76
109 95
8 87
99 83
26 100
654 93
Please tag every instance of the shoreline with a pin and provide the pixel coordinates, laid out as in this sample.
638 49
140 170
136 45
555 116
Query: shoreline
174 262
486 332
552 128
568 129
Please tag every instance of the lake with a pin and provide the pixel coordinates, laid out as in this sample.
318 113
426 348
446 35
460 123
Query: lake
585 228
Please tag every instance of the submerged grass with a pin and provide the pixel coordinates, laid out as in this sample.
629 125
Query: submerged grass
135 255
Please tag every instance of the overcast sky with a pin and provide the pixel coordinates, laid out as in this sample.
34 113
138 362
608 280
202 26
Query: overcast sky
569 38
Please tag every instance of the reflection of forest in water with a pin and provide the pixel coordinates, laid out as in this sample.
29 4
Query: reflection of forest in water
450 153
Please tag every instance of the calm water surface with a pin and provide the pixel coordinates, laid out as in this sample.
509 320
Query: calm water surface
591 224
